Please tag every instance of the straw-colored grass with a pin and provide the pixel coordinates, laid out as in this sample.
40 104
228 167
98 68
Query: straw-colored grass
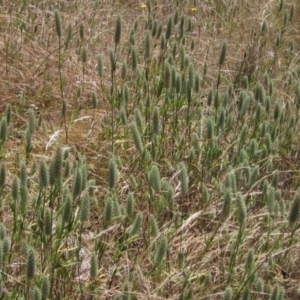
212 165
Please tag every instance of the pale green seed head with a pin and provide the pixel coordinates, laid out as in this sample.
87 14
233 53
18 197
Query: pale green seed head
112 59
226 204
2 175
134 58
210 97
81 32
167 75
116 206
8 114
48 222
154 178
69 36
210 124
197 83
37 295
228 293
243 135
253 176
155 121
126 93
245 82
205 194
100 65
154 28
159 31
108 211
275 178
221 118
241 209
132 37
123 116
124 70
148 46
23 174
112 173
285 18
161 251
31 264
93 266
94 100
191 75
57 163
2 231
136 224
77 182
130 205
178 83
181 27
295 209
153 226
190 25
67 207
169 28
1 254
137 138
264 27
84 208
183 177
246 294
3 130
24 198
223 53
31 121
118 31
45 287
291 14
58 25
138 118
15 189
260 284
274 293
281 4
6 246
249 264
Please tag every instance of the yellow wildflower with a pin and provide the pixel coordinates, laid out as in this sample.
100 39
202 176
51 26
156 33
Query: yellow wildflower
143 5
193 9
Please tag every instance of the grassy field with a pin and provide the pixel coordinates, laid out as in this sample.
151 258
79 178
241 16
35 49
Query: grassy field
149 150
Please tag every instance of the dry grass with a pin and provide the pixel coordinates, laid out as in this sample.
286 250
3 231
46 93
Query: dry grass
206 250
